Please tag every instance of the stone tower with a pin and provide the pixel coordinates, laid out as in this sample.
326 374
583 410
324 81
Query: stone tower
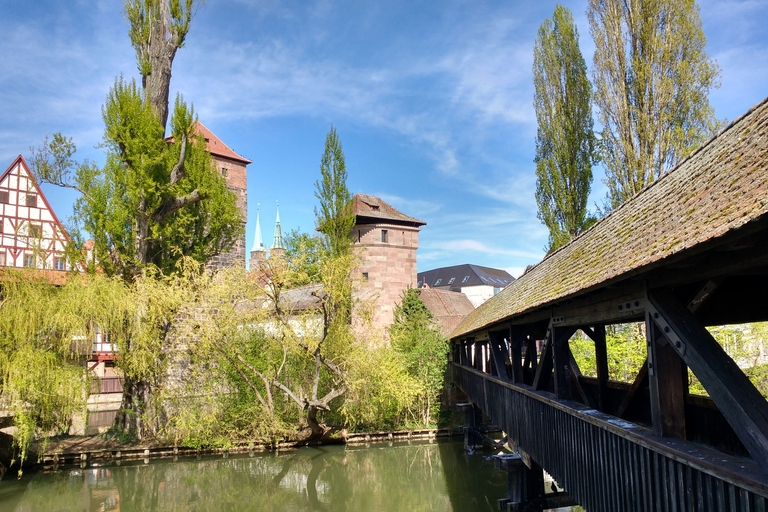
233 167
387 241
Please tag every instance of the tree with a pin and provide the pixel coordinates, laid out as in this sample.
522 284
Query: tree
334 218
424 350
157 29
304 253
652 79
565 146
46 329
153 201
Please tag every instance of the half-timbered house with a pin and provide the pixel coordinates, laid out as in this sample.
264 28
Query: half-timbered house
31 235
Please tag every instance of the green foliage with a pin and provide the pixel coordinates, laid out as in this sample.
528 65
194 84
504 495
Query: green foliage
46 329
304 254
150 204
652 79
565 143
424 353
334 217
626 351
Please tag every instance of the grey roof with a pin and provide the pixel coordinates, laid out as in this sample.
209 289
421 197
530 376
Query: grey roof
465 275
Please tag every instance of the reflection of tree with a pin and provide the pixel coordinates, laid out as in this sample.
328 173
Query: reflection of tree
415 478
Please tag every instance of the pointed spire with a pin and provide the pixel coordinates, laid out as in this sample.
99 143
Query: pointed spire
258 244
278 242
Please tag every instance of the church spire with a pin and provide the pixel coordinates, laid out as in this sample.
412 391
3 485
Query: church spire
258 244
278 242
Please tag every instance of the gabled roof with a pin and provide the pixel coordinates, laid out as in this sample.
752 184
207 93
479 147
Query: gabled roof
25 169
465 275
719 188
371 209
448 308
215 147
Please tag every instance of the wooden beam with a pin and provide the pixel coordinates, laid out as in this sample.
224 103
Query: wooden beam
516 338
743 406
666 373
637 384
499 354
586 398
544 368
561 358
597 335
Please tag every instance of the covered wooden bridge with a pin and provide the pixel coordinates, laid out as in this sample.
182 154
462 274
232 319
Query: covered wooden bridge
688 252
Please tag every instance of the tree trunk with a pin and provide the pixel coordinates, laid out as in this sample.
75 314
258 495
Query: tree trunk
132 418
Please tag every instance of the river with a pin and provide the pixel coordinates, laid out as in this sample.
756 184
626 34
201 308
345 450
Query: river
413 477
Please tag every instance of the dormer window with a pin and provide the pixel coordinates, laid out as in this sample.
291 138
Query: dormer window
466 278
450 281
437 283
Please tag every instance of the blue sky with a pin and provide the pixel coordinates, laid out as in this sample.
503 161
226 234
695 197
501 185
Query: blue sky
432 100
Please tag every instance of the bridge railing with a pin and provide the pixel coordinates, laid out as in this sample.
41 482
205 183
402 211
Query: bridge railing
611 465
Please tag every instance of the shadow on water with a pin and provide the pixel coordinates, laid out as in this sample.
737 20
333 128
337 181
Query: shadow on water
420 476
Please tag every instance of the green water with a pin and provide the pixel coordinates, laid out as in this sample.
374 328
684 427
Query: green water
412 477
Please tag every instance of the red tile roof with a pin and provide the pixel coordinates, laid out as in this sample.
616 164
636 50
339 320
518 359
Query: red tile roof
214 145
371 207
720 187
448 308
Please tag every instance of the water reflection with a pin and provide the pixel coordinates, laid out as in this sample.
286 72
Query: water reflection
417 477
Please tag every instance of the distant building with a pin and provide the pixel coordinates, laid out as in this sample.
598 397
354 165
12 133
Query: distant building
31 235
387 240
448 308
478 283
259 252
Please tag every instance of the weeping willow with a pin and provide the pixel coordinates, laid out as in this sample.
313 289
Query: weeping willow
46 336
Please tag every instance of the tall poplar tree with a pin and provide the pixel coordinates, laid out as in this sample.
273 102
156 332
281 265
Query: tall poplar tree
565 144
334 218
652 79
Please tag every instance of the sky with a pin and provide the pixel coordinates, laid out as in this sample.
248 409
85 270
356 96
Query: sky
432 102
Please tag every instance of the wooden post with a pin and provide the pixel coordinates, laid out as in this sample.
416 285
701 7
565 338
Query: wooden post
561 360
516 346
666 372
601 359
499 354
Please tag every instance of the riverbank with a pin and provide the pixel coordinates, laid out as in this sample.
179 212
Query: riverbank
72 449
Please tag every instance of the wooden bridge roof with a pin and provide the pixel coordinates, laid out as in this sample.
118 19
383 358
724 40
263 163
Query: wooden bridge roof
720 188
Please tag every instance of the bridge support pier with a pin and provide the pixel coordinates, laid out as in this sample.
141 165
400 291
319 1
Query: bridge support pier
473 418
525 486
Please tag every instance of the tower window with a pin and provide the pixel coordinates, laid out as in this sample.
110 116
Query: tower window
365 276
224 171
31 200
384 235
